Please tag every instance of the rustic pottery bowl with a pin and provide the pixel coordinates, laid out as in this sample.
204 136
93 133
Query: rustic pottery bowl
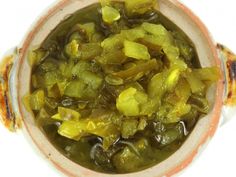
15 83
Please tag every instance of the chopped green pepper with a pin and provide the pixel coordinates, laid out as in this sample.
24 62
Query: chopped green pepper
129 128
72 49
36 56
110 14
127 104
90 50
133 34
37 100
130 100
144 67
207 74
136 50
197 86
87 29
139 6
75 89
172 79
121 158
91 79
65 114
112 43
101 126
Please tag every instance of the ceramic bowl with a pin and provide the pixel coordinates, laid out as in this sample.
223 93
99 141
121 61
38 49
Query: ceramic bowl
15 83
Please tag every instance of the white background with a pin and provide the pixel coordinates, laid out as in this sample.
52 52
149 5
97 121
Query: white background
18 159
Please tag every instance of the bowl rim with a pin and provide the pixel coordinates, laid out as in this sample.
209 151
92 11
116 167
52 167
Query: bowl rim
217 106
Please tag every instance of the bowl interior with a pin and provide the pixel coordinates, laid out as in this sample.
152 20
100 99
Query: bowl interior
186 21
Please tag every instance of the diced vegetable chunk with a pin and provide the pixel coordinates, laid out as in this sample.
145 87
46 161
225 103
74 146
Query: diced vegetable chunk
54 91
207 74
133 34
91 79
86 87
87 29
183 90
142 124
172 79
169 137
113 57
153 42
72 49
110 14
80 67
70 129
179 110
156 87
127 104
172 53
127 155
136 51
113 80
66 114
130 100
139 6
112 43
156 30
105 2
35 56
129 128
37 100
75 89
186 50
145 67
199 103
101 125
90 51
197 86
137 154
51 78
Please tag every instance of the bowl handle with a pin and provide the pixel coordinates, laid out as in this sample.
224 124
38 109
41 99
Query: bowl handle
228 59
7 113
